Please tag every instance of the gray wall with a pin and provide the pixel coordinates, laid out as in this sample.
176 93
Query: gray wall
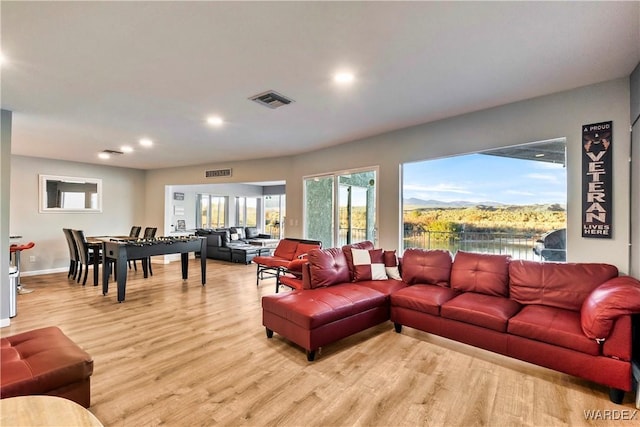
635 177
547 117
5 175
122 207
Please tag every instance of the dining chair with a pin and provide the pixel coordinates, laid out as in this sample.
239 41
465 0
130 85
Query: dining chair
86 254
134 233
149 233
73 253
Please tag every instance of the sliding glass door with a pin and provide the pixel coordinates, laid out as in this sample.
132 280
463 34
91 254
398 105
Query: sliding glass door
341 208
274 214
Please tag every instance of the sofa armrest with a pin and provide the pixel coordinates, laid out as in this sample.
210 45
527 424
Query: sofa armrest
295 266
614 298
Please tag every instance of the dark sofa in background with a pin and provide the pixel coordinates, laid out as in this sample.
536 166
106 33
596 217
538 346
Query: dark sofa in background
221 243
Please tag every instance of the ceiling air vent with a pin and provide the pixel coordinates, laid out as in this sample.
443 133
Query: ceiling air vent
114 152
271 99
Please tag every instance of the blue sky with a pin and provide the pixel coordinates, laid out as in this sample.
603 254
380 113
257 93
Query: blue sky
483 178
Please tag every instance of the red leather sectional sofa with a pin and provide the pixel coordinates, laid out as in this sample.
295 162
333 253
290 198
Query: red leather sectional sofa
576 318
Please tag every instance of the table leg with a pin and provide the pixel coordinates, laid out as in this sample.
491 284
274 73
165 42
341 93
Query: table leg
121 273
145 267
105 271
184 259
96 264
203 261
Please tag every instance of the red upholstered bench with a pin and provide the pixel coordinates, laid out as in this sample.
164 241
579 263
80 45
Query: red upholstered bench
45 361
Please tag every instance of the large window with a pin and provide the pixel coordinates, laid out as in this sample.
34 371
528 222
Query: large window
340 208
508 201
212 211
246 211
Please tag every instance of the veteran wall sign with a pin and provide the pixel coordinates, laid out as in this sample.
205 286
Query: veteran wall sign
597 180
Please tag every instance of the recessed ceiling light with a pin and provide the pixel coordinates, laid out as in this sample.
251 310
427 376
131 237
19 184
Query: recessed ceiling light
104 156
343 78
540 155
126 149
215 120
146 142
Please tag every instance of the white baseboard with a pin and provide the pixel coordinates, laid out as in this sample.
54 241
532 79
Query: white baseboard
161 259
5 322
39 272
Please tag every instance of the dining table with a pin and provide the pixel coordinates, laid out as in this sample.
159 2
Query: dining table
118 251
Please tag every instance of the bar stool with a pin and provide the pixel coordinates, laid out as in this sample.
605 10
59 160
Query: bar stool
15 250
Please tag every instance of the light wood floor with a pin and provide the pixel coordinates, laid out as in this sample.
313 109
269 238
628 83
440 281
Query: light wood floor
180 354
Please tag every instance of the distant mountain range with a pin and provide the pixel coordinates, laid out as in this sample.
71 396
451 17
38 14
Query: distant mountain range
419 203
440 204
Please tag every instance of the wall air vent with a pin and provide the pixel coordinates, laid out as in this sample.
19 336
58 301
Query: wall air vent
114 152
271 99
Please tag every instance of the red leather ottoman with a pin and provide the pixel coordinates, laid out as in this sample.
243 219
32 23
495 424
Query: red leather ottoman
312 318
45 361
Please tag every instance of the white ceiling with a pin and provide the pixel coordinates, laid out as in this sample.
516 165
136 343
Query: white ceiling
82 77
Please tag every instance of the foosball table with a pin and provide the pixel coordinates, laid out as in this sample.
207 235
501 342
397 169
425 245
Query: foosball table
118 251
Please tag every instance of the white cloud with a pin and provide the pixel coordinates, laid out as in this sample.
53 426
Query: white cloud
519 193
542 177
439 188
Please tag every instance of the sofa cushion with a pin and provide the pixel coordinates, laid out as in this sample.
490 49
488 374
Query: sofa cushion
286 249
225 235
429 267
327 267
295 266
481 273
552 325
387 287
556 284
368 264
251 232
238 231
484 310
214 240
271 261
423 298
303 249
368 245
391 265
311 309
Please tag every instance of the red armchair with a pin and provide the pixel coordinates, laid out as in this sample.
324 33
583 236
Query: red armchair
287 254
